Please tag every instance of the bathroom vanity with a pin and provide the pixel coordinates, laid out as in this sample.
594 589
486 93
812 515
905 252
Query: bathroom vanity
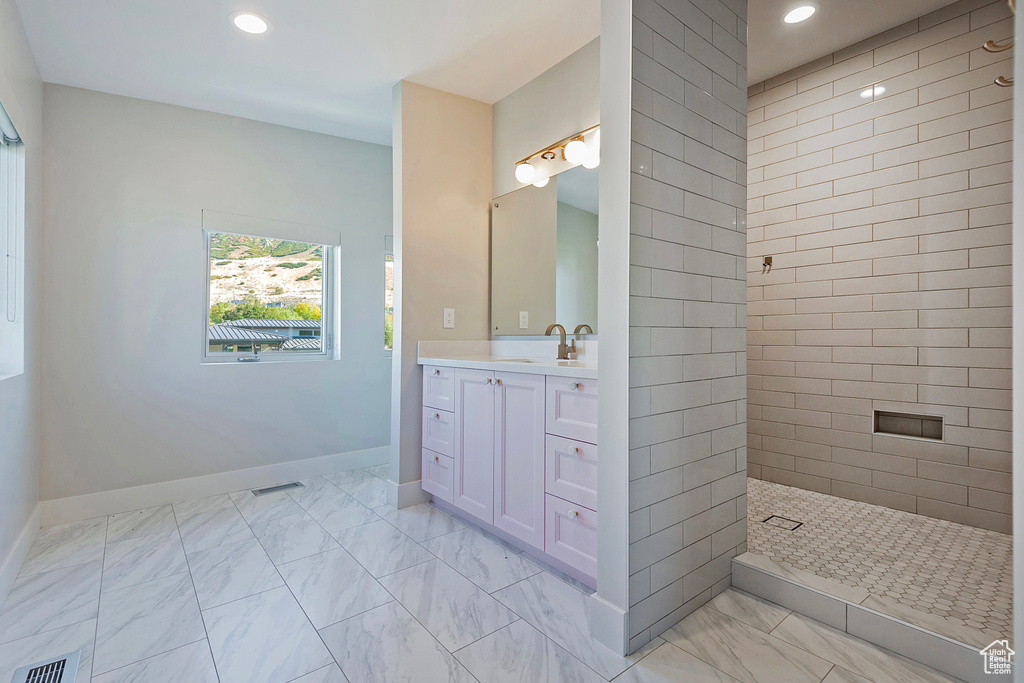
509 443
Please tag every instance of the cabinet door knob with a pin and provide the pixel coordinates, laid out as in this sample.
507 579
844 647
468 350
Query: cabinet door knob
437 459
437 416
576 451
573 514
436 371
573 386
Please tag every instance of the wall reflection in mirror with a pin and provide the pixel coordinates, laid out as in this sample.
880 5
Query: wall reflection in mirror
544 255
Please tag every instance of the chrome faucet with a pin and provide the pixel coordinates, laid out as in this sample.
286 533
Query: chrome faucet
576 335
563 350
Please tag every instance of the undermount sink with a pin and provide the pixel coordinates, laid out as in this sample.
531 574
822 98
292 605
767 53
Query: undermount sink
540 361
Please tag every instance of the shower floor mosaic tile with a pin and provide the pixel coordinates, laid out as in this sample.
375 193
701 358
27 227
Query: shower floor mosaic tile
958 572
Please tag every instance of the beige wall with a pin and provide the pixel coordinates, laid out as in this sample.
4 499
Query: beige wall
21 93
563 100
442 193
687 308
126 401
888 219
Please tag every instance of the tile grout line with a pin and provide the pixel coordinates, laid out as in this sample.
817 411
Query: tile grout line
96 634
202 617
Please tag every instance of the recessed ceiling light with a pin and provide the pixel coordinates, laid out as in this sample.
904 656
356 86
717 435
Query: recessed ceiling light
250 22
799 14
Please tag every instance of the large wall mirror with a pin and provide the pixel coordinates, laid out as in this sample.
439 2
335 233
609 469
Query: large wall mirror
544 255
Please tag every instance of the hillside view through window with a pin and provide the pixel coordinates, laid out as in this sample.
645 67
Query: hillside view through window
265 295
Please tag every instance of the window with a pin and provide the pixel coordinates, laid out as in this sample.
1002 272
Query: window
268 299
389 293
12 250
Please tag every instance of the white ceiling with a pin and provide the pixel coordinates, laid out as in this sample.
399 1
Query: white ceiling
329 65
775 47
326 65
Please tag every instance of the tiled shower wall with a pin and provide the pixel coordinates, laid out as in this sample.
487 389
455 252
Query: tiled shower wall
687 400
887 216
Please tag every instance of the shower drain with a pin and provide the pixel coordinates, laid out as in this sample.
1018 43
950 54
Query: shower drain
783 523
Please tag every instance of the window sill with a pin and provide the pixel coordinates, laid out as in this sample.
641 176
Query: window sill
267 361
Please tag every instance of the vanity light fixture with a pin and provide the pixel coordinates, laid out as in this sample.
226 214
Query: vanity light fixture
802 13
250 22
583 148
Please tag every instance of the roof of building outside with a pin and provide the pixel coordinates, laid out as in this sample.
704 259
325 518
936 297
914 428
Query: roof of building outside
227 333
255 322
302 344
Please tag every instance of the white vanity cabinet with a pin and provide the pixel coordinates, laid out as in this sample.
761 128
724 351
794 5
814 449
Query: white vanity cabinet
516 452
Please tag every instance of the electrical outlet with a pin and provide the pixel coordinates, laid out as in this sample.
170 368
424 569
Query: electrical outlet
449 318
524 320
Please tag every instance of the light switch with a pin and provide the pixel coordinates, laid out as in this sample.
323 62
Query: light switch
449 318
524 320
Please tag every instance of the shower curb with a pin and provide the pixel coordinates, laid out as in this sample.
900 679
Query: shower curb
814 597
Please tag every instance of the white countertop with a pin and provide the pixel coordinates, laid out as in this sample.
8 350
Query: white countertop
529 357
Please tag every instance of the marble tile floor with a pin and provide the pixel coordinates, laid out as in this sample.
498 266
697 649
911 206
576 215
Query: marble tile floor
277 589
958 573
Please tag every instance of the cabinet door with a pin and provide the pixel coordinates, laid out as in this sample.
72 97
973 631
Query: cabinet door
519 456
473 447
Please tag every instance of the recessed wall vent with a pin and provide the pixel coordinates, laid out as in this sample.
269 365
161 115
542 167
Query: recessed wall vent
908 424
274 489
63 669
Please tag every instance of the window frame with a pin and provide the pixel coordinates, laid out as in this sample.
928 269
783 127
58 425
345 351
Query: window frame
389 250
12 258
329 313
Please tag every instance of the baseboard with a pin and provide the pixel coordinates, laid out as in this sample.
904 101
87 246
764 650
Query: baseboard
12 563
403 495
77 508
609 625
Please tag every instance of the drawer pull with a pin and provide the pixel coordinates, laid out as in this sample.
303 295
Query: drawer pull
573 514
573 386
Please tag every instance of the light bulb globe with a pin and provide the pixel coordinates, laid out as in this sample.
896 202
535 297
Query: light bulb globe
525 173
575 151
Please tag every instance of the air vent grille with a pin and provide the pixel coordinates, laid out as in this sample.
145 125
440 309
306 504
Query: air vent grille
63 669
274 489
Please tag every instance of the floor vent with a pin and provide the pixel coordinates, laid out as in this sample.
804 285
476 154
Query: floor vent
907 424
63 669
783 523
274 489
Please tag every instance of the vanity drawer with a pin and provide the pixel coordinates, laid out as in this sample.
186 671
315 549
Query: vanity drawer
439 431
570 470
572 408
570 534
438 475
439 387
